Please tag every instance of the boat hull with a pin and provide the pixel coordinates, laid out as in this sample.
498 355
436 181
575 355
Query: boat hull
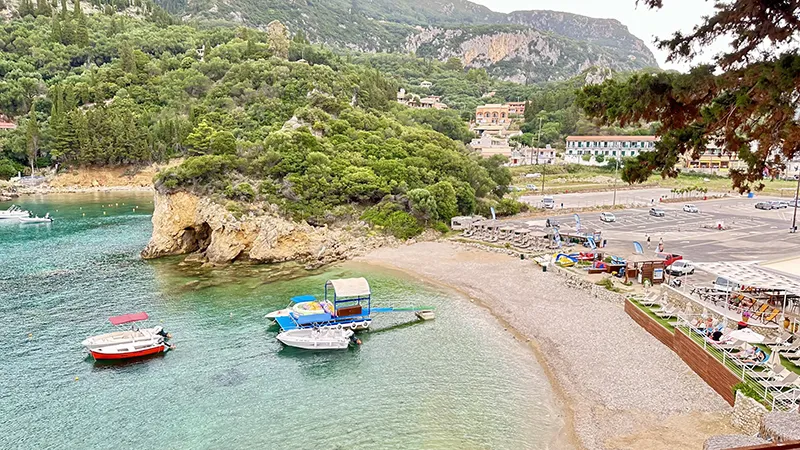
101 355
316 339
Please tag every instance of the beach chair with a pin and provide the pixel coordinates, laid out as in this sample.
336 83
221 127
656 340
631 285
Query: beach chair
782 338
771 375
759 313
667 313
771 317
789 381
651 299
726 346
752 364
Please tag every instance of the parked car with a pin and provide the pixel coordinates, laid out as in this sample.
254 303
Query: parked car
690 208
681 267
532 187
764 205
795 202
779 204
548 203
669 258
607 217
533 175
657 212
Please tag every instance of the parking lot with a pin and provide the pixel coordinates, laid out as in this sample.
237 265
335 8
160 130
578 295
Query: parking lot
748 234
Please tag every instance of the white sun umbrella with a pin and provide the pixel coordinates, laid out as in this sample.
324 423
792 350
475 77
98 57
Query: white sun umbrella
747 335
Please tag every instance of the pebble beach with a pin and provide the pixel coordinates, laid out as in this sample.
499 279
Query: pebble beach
623 388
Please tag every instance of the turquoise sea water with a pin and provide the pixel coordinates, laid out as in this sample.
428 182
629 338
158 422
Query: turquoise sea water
459 381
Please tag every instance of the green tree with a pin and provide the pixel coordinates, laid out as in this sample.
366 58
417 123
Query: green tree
199 140
127 58
26 8
278 39
222 143
740 102
32 138
444 195
423 205
454 63
55 29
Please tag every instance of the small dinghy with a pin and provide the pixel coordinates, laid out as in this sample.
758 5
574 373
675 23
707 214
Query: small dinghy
127 344
37 219
318 339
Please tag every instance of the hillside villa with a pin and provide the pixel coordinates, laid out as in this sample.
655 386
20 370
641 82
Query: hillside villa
415 101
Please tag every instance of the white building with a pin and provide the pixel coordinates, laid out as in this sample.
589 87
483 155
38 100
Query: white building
585 149
488 145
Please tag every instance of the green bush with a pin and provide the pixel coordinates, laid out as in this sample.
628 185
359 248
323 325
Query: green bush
510 207
9 169
393 220
586 157
599 158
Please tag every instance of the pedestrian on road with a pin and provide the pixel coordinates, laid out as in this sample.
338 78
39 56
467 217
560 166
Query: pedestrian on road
661 241
562 205
648 240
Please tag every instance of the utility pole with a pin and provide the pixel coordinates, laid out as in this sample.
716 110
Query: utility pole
796 193
538 142
616 168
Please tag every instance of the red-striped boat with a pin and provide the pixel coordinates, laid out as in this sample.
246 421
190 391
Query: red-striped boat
133 343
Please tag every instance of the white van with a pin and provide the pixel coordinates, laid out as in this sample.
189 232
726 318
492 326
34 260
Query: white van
548 202
722 284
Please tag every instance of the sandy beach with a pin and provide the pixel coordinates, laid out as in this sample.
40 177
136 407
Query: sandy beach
623 389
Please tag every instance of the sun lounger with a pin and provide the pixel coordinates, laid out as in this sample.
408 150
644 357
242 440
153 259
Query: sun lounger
761 311
752 364
726 346
667 313
789 381
772 376
771 317
783 337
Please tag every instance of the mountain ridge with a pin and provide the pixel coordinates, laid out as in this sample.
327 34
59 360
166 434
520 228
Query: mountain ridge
572 42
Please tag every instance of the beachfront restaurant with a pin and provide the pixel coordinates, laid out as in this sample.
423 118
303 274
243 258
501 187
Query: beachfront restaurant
748 292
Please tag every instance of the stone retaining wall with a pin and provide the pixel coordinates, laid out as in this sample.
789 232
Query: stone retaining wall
747 414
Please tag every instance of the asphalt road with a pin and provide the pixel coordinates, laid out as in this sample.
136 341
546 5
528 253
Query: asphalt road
580 200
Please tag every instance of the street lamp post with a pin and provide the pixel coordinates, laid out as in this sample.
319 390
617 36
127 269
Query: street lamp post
796 194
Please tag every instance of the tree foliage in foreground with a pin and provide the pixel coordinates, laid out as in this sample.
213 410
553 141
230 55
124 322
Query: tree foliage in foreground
746 102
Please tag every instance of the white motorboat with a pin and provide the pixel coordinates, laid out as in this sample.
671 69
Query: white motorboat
304 305
318 339
37 219
14 212
131 343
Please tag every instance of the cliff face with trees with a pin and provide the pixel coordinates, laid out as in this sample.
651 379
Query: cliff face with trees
320 138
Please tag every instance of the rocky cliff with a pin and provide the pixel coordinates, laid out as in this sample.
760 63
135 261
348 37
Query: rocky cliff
519 54
184 223
536 45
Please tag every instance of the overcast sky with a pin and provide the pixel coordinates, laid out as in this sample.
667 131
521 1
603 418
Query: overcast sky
642 22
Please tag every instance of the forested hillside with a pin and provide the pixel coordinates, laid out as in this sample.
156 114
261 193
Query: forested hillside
321 137
524 46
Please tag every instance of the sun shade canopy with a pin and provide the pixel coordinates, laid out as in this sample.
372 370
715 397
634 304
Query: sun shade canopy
749 274
350 287
127 318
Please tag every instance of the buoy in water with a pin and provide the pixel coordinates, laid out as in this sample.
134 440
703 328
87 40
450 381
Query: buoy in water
84 214
30 335
104 213
76 378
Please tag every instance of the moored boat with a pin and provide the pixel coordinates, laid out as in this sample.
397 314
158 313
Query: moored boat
318 338
37 219
14 212
126 344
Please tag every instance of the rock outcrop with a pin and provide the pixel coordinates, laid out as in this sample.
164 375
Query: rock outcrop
184 223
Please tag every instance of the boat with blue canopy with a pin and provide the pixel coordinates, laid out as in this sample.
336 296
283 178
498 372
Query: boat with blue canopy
347 304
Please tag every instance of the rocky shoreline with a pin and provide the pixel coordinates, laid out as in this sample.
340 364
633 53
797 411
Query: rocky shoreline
187 224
